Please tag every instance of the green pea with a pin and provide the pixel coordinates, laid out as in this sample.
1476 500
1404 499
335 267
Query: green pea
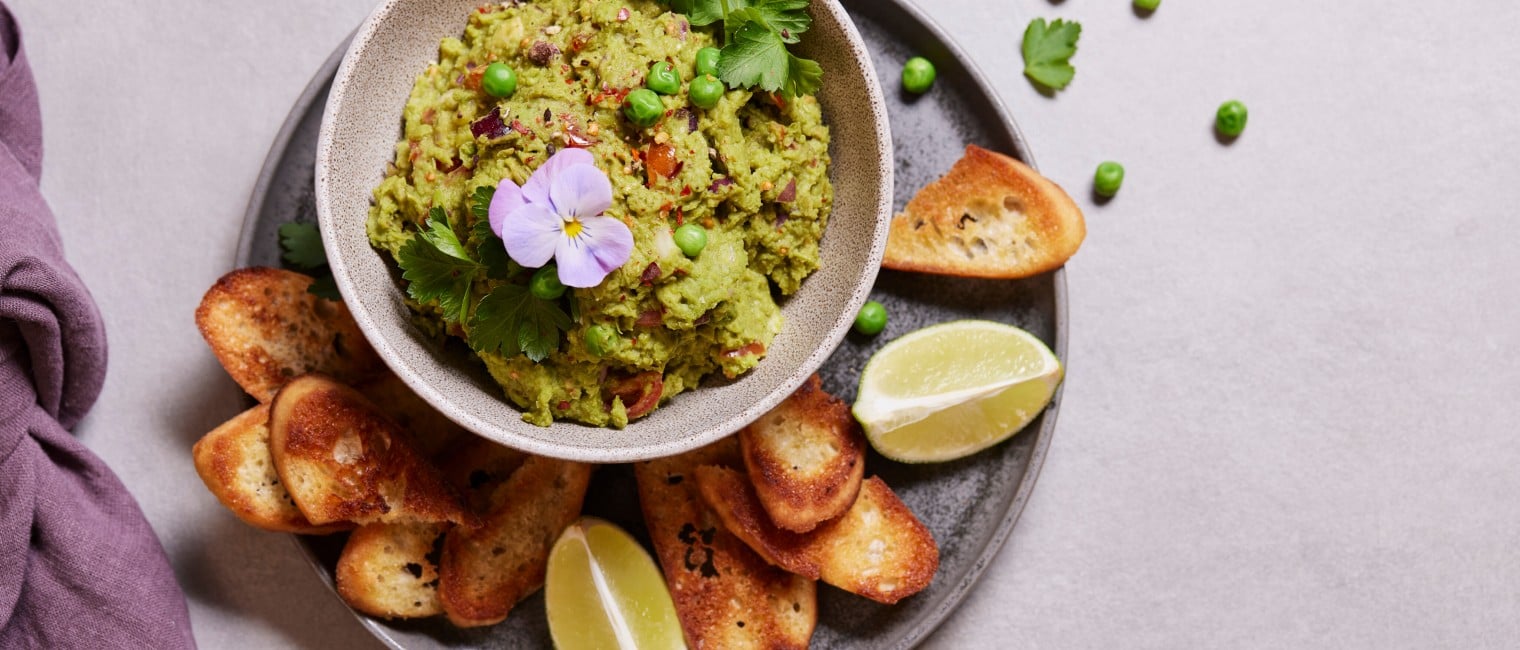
1147 5
643 107
663 79
918 75
707 61
499 80
871 319
1108 178
1231 118
545 283
599 339
691 239
705 91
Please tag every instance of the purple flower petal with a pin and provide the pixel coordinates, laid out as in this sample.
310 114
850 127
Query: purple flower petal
536 190
531 234
508 199
581 191
602 246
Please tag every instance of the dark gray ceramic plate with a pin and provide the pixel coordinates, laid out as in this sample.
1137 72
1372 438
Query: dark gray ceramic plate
970 505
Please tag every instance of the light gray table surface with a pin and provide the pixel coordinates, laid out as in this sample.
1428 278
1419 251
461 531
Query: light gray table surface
1294 372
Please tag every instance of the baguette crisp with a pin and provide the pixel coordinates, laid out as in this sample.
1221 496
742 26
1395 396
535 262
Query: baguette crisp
806 458
725 595
991 216
234 463
878 549
265 329
342 460
391 570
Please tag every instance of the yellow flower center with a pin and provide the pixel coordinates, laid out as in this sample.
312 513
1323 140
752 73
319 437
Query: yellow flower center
573 228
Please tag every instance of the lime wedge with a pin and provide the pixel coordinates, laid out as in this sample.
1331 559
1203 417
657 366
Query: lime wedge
951 390
603 591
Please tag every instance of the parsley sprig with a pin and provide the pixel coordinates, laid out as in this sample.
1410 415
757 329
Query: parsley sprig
756 35
509 320
302 246
1048 48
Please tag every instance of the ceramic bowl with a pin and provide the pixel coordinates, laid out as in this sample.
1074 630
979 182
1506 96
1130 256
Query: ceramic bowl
360 128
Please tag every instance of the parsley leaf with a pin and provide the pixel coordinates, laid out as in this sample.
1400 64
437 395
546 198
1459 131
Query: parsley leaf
757 56
480 202
325 287
303 249
1048 49
437 267
787 16
492 252
511 320
303 245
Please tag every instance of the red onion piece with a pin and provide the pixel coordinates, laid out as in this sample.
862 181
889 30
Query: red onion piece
789 194
490 126
720 183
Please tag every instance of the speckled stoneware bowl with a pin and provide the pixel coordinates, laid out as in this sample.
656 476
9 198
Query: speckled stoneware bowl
360 128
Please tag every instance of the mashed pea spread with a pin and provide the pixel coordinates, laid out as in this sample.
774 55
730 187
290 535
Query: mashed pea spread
752 170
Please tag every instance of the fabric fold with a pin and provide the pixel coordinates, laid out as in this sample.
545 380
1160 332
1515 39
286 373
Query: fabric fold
79 565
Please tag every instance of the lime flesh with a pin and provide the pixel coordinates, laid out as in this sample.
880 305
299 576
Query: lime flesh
602 590
951 390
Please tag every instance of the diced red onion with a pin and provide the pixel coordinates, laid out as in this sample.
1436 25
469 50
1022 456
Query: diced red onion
789 194
720 183
490 126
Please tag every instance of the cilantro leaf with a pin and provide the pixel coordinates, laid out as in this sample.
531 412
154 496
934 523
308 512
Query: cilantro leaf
757 56
1048 49
303 245
437 267
511 320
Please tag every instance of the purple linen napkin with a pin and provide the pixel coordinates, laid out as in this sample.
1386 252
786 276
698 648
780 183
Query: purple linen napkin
79 565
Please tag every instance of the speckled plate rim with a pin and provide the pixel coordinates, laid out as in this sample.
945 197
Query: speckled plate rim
936 616
670 437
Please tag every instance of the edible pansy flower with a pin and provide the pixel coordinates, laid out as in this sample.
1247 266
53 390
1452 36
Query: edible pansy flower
557 215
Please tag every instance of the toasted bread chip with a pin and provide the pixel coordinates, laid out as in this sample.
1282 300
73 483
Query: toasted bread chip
233 460
477 467
806 458
878 549
266 329
342 460
990 217
726 596
431 432
484 572
391 570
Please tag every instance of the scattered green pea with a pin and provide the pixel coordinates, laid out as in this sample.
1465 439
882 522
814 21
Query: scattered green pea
643 107
871 319
918 75
499 80
663 79
1108 178
599 340
705 91
707 61
691 239
1148 5
1231 118
545 283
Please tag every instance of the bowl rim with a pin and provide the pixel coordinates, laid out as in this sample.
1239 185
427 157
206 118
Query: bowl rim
880 128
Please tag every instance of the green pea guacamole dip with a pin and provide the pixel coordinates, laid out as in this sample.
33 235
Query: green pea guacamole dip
753 171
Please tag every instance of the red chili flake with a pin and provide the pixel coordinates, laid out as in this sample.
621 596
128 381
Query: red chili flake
752 349
563 405
680 217
686 191
518 127
412 144
623 14
579 41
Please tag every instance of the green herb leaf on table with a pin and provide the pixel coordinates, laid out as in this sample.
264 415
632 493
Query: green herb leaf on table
1048 49
511 320
325 287
303 245
757 56
437 268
